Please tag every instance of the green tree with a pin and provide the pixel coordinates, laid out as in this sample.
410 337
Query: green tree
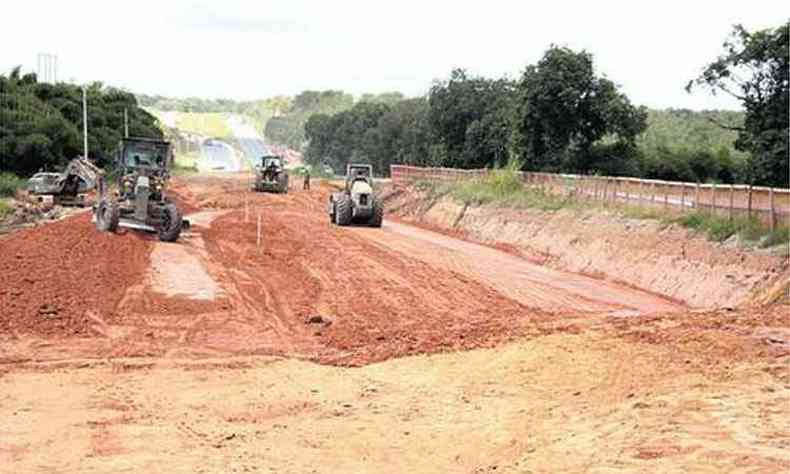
41 124
563 108
469 117
754 70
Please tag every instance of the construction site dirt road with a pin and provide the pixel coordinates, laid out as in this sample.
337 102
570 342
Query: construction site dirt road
201 355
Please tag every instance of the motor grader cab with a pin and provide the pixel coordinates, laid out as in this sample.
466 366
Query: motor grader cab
270 175
357 202
141 202
69 187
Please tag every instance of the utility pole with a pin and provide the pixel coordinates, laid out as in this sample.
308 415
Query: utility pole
85 121
126 123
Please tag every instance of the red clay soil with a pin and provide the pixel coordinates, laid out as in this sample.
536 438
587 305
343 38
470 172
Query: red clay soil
50 275
373 303
314 291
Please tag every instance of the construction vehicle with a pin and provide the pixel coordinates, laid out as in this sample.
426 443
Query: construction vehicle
141 202
357 202
270 175
69 187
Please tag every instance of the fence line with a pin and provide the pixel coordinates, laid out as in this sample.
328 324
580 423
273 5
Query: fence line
769 205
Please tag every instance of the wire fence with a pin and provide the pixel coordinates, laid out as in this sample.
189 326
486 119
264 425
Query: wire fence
770 205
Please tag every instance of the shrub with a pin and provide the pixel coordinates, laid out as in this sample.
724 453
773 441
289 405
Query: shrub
778 236
10 183
720 228
5 210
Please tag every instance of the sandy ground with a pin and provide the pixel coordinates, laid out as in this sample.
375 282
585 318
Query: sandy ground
217 355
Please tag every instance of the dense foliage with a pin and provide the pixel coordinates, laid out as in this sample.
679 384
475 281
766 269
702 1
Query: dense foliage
260 111
288 129
41 123
683 145
754 69
468 120
560 116
564 110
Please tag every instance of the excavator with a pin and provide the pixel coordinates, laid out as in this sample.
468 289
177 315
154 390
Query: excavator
67 188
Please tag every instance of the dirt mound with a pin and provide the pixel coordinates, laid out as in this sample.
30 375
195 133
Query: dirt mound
27 211
646 254
51 275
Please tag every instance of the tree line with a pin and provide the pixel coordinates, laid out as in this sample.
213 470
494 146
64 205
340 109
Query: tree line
41 123
280 118
560 116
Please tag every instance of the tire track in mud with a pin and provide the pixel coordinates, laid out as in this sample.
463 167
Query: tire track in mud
381 303
531 284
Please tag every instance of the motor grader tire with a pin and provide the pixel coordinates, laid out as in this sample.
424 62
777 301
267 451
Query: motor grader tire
170 228
107 216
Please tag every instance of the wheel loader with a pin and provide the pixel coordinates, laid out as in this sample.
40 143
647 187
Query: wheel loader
270 176
141 202
357 203
67 188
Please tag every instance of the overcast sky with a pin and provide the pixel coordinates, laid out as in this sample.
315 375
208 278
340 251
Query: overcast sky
254 49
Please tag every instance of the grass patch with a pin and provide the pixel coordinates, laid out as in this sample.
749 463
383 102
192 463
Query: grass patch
208 124
778 236
186 160
503 187
5 209
719 229
178 170
639 212
10 183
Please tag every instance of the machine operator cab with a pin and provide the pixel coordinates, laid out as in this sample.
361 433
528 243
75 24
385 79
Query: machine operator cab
145 156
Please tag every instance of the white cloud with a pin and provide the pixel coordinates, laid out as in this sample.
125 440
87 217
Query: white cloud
252 49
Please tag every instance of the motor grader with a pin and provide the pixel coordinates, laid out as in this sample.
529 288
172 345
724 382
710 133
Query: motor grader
357 203
270 175
141 202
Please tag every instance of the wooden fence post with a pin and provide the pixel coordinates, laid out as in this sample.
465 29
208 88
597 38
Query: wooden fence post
627 192
713 199
773 209
682 197
749 211
732 198
595 187
696 196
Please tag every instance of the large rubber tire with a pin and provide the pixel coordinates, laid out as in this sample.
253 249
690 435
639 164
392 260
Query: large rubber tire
378 214
343 211
283 179
170 229
107 216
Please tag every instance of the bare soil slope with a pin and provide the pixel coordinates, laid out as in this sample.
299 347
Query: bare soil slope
664 259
